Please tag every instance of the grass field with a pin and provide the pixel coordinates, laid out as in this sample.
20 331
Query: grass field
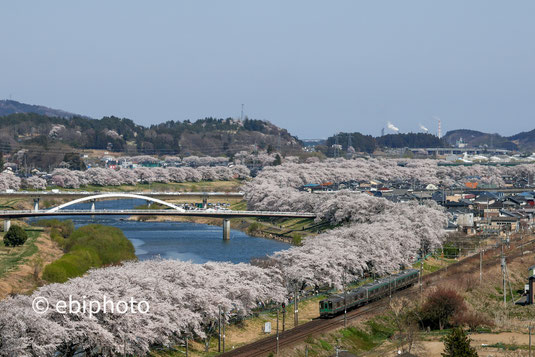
11 257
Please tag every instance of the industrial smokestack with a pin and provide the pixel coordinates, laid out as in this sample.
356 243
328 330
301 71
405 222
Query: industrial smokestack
392 127
439 131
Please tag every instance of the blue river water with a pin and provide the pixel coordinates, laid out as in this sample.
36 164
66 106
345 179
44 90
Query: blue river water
185 241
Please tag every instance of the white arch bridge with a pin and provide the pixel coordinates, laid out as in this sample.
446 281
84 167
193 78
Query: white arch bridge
172 210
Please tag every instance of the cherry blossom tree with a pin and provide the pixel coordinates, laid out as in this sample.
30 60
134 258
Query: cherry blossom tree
35 182
183 298
8 180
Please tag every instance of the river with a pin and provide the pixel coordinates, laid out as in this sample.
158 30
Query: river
185 241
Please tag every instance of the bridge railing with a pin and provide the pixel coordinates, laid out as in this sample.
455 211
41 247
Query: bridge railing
155 212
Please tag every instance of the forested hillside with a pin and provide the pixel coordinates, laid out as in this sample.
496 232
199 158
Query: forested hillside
13 107
368 143
209 136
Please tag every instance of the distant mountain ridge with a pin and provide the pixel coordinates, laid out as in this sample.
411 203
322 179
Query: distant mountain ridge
524 141
54 132
8 107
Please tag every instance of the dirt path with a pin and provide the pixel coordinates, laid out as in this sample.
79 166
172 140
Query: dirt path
481 343
22 280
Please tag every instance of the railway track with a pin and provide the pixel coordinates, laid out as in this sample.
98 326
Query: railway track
299 333
267 345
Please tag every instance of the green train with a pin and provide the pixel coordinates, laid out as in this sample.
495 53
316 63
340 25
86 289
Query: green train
334 304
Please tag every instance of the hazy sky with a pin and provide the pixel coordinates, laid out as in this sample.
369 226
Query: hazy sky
313 67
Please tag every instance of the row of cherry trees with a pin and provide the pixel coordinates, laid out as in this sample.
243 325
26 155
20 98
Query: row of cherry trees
188 160
422 171
103 177
374 235
183 300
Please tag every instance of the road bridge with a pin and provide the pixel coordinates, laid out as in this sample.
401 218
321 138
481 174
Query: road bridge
172 210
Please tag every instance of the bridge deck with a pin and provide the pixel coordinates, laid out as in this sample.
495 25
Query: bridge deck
155 212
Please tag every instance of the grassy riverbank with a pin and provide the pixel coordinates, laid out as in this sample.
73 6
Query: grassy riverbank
21 267
90 246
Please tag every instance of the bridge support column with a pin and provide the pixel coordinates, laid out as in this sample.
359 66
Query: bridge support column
204 201
36 204
93 205
7 224
226 229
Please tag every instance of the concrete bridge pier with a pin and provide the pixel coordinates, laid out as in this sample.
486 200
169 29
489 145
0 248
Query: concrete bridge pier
36 204
93 205
226 229
7 224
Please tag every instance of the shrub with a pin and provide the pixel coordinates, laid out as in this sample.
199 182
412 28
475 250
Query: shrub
440 306
71 265
457 344
64 227
56 236
15 236
296 239
253 228
450 250
471 319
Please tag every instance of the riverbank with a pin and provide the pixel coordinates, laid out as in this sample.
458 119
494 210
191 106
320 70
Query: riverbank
21 268
289 231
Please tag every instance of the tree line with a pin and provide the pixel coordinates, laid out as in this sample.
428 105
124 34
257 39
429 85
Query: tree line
367 143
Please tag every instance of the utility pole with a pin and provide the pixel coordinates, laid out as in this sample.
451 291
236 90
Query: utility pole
223 331
241 116
277 332
345 300
296 309
502 258
219 327
390 287
283 315
480 266
529 329
421 275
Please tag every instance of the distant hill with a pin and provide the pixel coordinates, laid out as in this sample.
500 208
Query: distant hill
524 140
47 137
473 138
13 107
